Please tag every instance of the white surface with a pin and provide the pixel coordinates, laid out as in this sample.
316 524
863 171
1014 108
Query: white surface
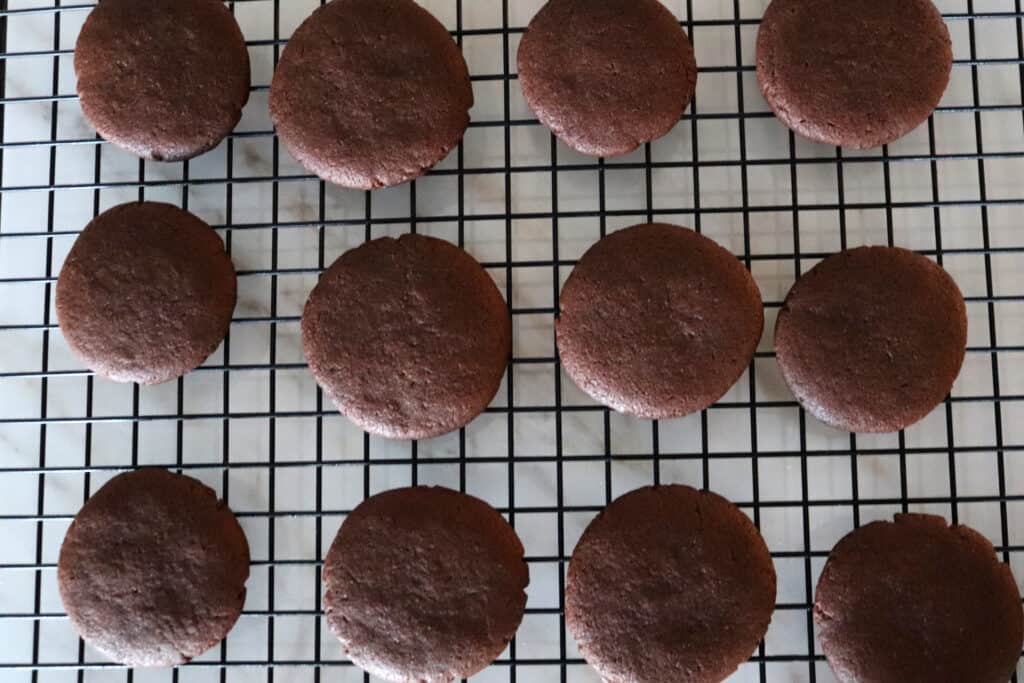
251 438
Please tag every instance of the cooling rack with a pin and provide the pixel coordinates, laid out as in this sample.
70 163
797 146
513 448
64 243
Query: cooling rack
252 424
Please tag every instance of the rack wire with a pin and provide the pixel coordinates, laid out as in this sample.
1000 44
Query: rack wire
252 424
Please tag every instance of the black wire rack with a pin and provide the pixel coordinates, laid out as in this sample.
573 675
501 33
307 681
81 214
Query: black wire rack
252 424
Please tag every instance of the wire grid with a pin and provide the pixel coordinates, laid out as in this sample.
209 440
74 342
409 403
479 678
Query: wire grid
252 424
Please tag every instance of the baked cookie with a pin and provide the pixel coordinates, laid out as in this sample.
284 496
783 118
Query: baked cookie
918 601
163 79
409 337
146 293
669 584
658 321
606 76
853 74
424 585
370 93
152 571
872 339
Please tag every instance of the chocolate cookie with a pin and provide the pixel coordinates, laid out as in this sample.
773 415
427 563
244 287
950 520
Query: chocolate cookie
669 584
164 79
872 339
658 321
853 74
152 571
918 601
425 585
146 293
371 93
408 337
606 76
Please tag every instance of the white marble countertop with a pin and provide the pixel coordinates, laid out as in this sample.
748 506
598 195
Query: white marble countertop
273 401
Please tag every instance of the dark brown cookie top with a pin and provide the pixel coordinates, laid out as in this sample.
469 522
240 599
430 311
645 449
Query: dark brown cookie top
164 79
607 75
408 337
853 74
669 584
872 339
371 93
425 585
152 571
918 601
146 293
658 321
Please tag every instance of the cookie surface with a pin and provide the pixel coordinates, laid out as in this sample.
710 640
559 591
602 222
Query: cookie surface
587 68
918 601
669 584
409 337
853 74
152 571
371 93
658 321
424 585
146 293
163 79
872 339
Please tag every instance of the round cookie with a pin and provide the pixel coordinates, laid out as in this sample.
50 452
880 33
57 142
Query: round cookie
424 585
918 601
658 321
872 339
853 74
409 337
606 76
146 293
669 584
164 79
371 93
152 571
